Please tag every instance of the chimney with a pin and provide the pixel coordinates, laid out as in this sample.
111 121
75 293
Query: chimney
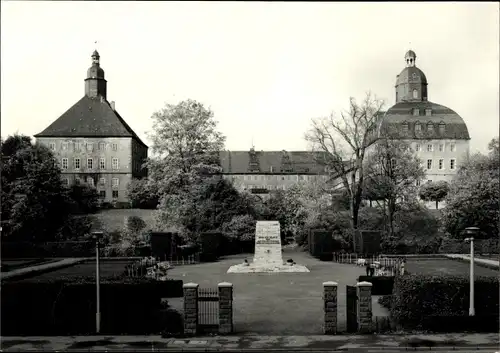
112 103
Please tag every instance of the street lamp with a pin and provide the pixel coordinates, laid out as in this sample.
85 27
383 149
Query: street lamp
471 231
97 236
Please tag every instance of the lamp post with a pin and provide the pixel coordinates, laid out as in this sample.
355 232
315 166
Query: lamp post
471 231
97 236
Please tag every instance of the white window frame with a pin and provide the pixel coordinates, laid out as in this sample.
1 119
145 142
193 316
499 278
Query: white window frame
66 181
64 163
418 127
76 146
102 163
91 164
418 147
113 192
64 146
417 183
415 94
452 147
102 181
115 182
416 111
90 181
115 163
102 146
115 147
441 147
90 146
453 164
441 164
52 146
430 147
429 168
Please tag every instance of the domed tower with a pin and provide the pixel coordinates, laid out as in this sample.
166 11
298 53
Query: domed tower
411 83
95 84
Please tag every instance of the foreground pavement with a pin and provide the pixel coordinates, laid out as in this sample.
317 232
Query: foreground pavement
339 343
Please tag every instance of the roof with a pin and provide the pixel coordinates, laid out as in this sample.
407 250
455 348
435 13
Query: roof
90 117
238 162
411 73
400 113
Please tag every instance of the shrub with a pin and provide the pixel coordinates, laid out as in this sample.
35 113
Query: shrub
321 243
66 306
209 242
75 228
385 301
381 285
417 298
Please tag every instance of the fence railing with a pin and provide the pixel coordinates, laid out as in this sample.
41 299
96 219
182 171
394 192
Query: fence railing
208 310
385 266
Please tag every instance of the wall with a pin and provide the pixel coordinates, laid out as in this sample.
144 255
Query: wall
270 181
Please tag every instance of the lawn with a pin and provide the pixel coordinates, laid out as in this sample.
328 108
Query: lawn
277 304
445 267
10 265
114 219
87 269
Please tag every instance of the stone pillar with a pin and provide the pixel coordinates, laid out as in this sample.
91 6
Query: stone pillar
330 308
190 308
225 307
365 319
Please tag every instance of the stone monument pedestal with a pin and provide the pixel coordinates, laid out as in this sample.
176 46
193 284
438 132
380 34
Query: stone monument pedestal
268 257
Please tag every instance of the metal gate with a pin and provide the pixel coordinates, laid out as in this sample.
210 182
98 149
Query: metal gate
352 309
208 310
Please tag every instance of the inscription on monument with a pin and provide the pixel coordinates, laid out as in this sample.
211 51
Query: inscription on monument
267 233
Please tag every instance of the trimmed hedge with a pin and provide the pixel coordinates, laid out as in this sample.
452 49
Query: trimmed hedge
67 306
210 242
419 301
381 285
321 244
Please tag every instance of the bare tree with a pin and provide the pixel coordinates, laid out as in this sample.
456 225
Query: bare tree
343 140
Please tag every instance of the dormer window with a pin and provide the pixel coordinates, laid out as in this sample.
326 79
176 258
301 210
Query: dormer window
418 127
441 127
430 127
405 127
415 94
428 112
416 112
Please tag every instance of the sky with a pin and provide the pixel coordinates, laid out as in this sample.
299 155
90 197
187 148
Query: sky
264 68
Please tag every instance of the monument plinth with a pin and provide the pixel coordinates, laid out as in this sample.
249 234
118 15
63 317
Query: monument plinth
268 256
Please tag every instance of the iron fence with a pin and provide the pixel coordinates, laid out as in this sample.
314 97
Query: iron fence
208 310
385 266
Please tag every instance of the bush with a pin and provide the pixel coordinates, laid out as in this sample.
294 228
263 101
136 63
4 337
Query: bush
49 249
209 242
385 301
67 306
75 228
458 246
381 285
321 243
417 298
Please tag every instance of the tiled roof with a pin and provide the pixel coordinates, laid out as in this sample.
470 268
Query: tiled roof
400 113
90 117
237 162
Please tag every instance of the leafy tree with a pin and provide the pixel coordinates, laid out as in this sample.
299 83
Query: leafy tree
35 204
143 193
474 194
187 146
344 142
85 199
393 171
434 191
241 227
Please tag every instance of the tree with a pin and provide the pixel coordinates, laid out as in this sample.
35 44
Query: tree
474 194
35 204
241 227
187 146
392 172
344 141
434 191
143 193
85 198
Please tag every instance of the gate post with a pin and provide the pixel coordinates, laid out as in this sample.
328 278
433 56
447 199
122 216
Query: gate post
225 307
190 308
330 307
365 319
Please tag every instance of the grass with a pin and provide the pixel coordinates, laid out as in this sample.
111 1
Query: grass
10 265
445 267
114 219
280 303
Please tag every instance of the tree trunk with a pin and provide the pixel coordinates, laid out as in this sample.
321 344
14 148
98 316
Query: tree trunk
437 204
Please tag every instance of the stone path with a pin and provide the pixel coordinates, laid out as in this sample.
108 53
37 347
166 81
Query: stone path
40 268
493 263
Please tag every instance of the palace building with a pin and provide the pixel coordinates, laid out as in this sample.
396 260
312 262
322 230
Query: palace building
93 144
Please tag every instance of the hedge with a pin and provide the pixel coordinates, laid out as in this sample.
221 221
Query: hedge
381 285
420 300
321 244
67 306
210 242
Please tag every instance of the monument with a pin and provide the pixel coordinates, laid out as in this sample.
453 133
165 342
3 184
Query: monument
268 256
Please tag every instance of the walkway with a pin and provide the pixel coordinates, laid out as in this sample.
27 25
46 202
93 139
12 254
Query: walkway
487 262
40 268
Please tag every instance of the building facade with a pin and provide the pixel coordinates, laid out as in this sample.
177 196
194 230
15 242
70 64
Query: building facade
437 134
92 144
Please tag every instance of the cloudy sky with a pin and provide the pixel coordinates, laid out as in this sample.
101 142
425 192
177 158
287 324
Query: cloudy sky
264 68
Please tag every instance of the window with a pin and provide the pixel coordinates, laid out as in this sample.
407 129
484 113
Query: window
102 194
115 194
115 182
441 147
452 147
76 146
441 164
418 127
429 164
441 128
115 147
64 163
102 181
416 112
430 127
102 146
77 163
90 181
65 182
115 163
428 112
415 93
418 183
90 146
90 163
452 164
64 145
429 181
52 146
430 148
102 163
77 181
417 147
405 127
